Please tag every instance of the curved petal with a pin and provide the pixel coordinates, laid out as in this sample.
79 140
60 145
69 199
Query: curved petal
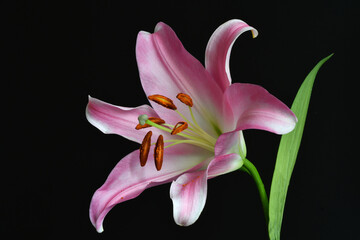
224 164
189 191
128 179
166 68
217 54
109 118
188 194
255 108
231 142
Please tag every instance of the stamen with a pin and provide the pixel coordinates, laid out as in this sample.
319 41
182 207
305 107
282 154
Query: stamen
180 134
163 101
179 127
159 152
153 119
144 148
186 99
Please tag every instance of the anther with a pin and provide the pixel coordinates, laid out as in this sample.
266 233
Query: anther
179 127
159 152
163 101
153 119
144 148
186 99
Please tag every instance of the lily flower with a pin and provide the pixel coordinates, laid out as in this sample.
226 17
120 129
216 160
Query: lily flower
196 118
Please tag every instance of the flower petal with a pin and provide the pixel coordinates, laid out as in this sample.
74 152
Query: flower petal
188 194
166 68
109 118
255 108
231 142
224 164
128 179
218 50
189 191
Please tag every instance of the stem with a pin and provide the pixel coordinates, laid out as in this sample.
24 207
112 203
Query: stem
263 196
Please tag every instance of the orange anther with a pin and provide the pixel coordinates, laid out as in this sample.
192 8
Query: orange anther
144 148
159 152
153 119
179 127
163 101
186 99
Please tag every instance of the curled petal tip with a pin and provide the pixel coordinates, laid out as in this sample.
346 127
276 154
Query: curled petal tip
254 33
100 230
217 54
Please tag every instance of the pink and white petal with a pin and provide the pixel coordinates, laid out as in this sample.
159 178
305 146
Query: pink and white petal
189 191
217 54
224 164
231 142
110 119
255 108
128 179
166 68
188 194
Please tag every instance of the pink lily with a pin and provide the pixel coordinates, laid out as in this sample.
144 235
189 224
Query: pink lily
213 143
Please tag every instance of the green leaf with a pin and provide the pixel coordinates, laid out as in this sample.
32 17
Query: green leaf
286 157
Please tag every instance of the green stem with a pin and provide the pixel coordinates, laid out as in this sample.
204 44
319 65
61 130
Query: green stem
263 196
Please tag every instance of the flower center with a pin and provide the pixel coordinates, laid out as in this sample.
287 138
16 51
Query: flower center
189 130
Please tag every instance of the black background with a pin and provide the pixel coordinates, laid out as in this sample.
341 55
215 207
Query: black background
56 54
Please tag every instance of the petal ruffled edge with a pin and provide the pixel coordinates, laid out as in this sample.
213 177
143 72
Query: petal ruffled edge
217 54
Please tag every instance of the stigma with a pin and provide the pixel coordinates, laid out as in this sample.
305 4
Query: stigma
153 119
189 131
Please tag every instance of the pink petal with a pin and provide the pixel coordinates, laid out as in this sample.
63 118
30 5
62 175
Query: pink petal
231 142
224 164
166 68
188 194
255 108
189 191
218 50
119 120
128 179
